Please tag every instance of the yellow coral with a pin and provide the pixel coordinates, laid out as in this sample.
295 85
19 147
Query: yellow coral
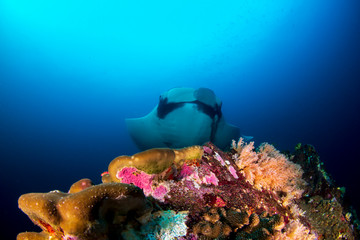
154 160
86 214
35 236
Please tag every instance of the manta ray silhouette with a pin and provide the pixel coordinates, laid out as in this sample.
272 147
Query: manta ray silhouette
183 117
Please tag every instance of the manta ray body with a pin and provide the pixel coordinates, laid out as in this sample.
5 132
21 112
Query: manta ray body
183 117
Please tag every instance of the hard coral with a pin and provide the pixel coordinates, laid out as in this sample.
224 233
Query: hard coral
34 236
89 214
80 185
232 223
154 160
261 227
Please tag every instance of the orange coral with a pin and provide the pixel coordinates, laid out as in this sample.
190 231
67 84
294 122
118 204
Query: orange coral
268 169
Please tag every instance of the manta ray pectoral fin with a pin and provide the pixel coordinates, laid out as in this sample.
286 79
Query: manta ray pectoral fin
225 133
247 138
143 131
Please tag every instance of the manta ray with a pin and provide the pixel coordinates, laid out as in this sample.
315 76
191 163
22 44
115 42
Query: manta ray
183 117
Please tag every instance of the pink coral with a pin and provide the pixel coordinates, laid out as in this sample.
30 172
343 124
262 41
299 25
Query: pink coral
160 192
191 173
131 175
186 171
212 179
233 172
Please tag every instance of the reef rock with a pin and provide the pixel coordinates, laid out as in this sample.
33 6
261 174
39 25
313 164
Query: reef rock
199 192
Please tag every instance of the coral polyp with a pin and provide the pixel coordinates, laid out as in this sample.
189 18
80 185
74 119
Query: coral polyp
198 192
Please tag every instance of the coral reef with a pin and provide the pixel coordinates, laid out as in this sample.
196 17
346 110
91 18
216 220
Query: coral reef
199 192
324 204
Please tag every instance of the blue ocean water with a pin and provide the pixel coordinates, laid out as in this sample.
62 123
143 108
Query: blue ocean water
70 73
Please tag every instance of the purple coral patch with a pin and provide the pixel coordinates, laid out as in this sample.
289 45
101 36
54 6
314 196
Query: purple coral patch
134 176
142 180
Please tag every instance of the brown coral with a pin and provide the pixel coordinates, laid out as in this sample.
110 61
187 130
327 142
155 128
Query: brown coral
88 214
212 230
80 185
236 219
154 160
233 223
260 227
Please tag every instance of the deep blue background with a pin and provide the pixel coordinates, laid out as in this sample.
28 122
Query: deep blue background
286 71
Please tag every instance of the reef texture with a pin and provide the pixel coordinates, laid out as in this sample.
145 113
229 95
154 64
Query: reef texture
199 192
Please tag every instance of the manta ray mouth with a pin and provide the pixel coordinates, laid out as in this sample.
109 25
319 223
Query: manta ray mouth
165 107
